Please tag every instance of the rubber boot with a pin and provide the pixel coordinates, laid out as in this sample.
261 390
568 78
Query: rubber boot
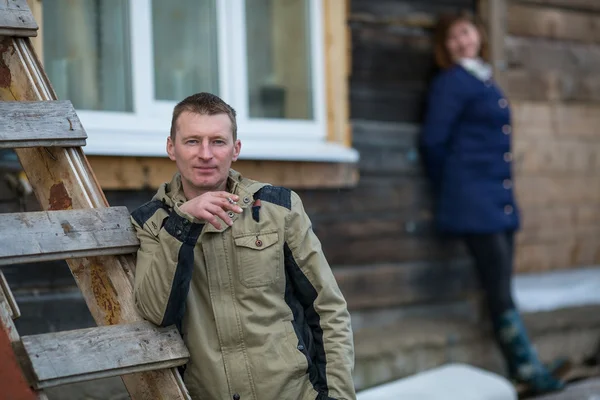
522 360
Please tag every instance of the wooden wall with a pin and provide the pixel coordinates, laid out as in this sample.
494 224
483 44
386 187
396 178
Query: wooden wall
379 235
552 53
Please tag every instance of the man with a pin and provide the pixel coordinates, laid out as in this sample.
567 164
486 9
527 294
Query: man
234 263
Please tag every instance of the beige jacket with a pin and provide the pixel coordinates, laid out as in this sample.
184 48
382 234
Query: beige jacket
257 304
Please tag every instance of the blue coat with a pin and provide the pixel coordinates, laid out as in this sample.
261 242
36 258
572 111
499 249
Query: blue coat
466 145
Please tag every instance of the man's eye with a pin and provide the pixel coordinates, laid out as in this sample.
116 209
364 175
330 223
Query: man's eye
191 142
219 141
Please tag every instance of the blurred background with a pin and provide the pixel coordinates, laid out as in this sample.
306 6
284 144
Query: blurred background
330 96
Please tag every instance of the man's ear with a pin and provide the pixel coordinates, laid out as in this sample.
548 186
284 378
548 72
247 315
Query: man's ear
170 148
237 147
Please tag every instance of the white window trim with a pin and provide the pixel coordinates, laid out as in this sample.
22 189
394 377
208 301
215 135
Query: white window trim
143 132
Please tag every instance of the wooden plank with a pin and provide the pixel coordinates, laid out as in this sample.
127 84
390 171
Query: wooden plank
382 101
134 173
543 119
374 194
10 299
580 5
376 286
74 356
550 190
384 54
398 8
62 179
58 235
542 70
40 124
561 253
559 156
337 71
398 248
547 224
16 19
553 23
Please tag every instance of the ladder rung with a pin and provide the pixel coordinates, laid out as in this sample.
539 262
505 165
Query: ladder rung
16 19
40 124
59 235
74 356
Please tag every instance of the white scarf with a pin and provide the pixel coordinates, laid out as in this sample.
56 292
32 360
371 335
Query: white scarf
479 68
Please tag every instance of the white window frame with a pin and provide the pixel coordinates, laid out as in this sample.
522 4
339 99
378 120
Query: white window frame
143 132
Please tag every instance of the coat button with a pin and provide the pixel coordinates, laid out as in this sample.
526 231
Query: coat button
508 209
508 157
246 200
503 103
236 397
507 129
300 347
231 214
258 243
507 184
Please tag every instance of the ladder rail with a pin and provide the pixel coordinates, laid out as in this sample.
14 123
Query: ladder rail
62 179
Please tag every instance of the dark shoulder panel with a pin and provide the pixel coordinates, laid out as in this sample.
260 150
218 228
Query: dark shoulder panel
275 194
144 212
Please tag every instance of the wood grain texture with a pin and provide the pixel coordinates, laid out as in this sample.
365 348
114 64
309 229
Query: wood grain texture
8 296
74 356
545 70
16 19
40 124
337 48
373 286
553 23
59 235
62 179
134 173
580 5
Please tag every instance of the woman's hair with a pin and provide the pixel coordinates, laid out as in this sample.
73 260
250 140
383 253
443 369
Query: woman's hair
440 36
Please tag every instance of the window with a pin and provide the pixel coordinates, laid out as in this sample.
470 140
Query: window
125 63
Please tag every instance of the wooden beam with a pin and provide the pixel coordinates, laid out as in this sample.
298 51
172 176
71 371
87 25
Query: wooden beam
494 14
61 358
337 70
59 235
40 124
131 173
62 179
16 19
553 23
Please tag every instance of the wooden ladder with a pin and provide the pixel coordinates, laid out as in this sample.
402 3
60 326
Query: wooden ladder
96 240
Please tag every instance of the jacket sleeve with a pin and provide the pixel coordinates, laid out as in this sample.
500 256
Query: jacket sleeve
444 106
324 306
165 262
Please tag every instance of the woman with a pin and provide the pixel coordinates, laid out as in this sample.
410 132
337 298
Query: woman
466 145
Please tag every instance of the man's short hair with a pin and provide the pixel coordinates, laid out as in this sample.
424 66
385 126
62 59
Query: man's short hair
204 104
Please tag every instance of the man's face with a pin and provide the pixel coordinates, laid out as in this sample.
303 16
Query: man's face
203 150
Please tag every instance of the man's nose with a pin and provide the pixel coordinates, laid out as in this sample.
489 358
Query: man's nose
204 151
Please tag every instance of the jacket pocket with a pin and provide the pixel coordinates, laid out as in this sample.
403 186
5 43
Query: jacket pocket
259 258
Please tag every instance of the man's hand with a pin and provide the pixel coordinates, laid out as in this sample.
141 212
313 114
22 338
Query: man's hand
211 205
